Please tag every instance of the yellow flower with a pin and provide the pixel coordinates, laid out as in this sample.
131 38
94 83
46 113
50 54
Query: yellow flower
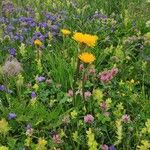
147 35
132 81
4 127
74 114
4 148
146 129
119 131
89 40
38 43
65 31
87 57
145 145
35 87
42 142
98 95
75 136
91 140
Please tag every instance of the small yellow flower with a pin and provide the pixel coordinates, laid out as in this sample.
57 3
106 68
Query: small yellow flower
98 95
132 81
91 140
87 57
65 31
89 40
147 35
74 114
145 145
38 43
146 129
35 87
4 126
42 142
41 145
75 136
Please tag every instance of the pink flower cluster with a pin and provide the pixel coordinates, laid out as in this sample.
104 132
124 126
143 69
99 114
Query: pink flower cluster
126 118
108 75
88 118
57 139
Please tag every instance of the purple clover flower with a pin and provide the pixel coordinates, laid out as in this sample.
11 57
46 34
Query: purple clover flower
12 116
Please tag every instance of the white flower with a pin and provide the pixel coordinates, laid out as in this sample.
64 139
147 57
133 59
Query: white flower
148 22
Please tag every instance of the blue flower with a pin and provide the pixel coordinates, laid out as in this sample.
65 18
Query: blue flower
12 116
12 52
112 147
2 87
40 78
33 95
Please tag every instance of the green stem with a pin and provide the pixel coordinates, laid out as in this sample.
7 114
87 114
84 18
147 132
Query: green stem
75 80
83 83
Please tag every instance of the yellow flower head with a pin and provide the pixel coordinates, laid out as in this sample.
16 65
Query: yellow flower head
38 43
87 57
89 40
65 31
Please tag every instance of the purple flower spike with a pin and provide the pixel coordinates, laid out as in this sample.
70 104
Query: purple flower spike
12 116
112 147
33 95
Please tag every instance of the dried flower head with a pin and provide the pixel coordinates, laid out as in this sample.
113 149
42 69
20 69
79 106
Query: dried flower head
12 67
87 57
126 118
57 139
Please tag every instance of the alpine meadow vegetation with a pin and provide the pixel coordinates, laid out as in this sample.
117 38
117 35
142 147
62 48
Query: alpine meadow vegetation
74 75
